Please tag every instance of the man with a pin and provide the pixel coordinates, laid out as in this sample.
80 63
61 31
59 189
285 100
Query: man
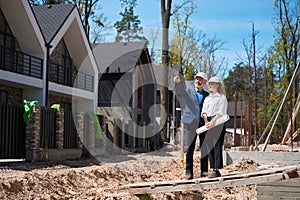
192 101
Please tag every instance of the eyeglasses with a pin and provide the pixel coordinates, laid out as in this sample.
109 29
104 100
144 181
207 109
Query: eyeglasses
212 83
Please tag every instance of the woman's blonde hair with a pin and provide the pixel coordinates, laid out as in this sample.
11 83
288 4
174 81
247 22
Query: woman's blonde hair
221 88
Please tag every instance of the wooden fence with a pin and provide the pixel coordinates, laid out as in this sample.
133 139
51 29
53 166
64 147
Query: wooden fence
70 132
134 137
48 128
12 132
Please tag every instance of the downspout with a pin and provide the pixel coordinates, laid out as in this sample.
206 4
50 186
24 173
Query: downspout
48 46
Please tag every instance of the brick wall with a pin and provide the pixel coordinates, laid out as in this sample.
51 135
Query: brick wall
33 150
60 129
32 142
56 99
14 95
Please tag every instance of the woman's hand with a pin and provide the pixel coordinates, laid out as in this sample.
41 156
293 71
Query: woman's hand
210 124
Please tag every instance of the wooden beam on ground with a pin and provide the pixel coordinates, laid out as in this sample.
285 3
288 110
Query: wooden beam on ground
263 176
289 127
297 132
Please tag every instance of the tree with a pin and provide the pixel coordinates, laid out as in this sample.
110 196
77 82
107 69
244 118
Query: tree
128 28
284 55
256 60
86 10
101 29
166 13
192 49
182 45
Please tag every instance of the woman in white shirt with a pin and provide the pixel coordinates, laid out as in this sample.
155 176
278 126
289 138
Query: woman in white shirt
214 107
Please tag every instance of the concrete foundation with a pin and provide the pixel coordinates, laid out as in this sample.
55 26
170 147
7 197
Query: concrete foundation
62 154
262 157
286 189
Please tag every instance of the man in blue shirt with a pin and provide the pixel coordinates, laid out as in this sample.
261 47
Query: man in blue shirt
192 101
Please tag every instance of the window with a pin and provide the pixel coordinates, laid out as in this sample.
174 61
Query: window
6 37
3 97
66 106
67 63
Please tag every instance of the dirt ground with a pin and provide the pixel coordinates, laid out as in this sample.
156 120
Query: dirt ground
94 179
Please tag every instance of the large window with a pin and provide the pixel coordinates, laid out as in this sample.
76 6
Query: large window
6 37
67 62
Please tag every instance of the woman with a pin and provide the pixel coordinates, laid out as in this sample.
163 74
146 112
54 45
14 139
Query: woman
214 107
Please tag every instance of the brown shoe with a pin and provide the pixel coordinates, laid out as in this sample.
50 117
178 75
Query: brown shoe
204 174
188 176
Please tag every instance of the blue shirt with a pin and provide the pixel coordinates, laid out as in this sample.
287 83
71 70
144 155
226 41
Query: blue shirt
200 97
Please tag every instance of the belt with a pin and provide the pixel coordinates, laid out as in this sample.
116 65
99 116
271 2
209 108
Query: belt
210 117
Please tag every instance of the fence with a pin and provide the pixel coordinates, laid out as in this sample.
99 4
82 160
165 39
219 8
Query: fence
12 132
48 128
51 129
134 137
70 132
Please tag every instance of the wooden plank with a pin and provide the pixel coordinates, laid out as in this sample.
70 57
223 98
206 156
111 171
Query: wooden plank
202 185
258 177
292 121
297 132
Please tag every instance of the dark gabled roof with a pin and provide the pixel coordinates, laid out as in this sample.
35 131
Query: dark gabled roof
117 63
118 57
51 18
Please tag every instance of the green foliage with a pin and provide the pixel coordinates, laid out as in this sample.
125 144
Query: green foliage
98 129
239 79
145 197
28 105
56 106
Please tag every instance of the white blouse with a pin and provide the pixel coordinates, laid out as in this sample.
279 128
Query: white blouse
215 104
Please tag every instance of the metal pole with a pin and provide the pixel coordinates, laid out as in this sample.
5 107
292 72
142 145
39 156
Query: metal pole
48 46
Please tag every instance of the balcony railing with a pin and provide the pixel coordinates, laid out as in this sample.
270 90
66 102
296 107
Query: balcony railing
66 76
21 63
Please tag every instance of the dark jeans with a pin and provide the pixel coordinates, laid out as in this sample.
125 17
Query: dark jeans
191 142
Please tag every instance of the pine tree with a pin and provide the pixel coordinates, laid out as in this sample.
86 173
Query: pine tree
128 28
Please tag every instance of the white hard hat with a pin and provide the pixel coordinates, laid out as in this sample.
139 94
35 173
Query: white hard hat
215 79
202 75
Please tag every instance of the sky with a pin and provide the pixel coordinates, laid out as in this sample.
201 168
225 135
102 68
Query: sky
228 20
